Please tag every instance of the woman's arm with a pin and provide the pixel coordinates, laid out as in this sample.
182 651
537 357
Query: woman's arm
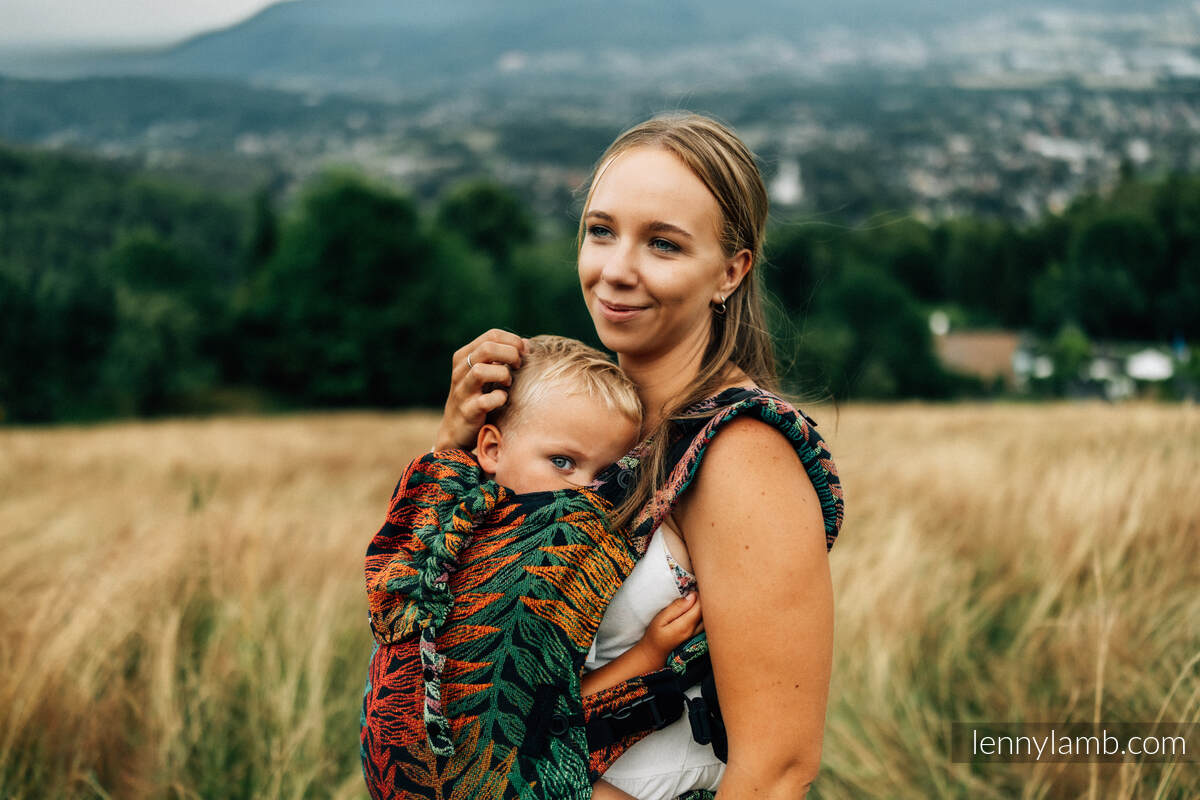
754 528
491 356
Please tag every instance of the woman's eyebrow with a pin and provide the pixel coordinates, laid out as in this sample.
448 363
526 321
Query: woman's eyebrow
666 227
655 227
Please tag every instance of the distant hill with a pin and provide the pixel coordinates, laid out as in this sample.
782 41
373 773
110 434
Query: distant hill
403 47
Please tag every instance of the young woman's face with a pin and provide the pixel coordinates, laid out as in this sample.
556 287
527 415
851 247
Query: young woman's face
651 264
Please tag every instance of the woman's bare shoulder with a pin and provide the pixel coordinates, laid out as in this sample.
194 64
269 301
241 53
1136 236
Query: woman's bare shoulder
749 439
749 460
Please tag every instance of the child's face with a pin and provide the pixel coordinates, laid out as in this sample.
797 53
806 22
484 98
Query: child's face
558 443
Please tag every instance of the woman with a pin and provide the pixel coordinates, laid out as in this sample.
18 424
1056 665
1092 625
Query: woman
670 241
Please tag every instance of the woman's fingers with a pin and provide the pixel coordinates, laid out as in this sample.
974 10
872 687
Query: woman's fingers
480 375
490 401
492 352
497 346
477 372
494 335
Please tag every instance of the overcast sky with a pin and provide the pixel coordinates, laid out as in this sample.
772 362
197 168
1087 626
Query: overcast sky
116 21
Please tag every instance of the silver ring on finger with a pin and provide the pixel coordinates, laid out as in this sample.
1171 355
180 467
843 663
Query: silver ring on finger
469 364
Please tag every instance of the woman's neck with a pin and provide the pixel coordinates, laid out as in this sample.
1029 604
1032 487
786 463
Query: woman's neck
663 380
660 385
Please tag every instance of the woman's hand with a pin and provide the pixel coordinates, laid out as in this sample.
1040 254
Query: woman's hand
480 375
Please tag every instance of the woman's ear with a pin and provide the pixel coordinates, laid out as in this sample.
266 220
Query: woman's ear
735 272
487 448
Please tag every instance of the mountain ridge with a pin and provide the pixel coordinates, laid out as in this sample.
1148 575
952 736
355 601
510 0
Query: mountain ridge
404 48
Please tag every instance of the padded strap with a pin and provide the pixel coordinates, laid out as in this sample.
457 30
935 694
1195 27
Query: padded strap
688 454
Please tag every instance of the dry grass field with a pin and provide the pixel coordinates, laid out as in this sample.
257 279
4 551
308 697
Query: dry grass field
182 612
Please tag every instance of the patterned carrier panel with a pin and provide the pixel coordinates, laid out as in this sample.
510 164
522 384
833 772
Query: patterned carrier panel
470 699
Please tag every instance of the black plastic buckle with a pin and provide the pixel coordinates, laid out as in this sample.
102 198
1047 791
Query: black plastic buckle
624 711
660 719
698 717
662 698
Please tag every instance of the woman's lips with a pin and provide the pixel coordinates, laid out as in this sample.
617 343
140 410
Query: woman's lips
616 312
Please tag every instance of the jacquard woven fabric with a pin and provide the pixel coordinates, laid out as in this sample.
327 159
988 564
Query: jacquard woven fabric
464 698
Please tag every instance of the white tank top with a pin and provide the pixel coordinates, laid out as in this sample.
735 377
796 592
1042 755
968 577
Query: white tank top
668 760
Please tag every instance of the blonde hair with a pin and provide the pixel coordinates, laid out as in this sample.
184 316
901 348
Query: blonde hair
738 336
572 367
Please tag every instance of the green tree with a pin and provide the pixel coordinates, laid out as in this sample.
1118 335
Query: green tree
488 217
873 340
1070 351
1115 261
544 282
362 304
1053 300
262 234
912 259
1176 210
154 363
55 327
981 270
800 259
170 313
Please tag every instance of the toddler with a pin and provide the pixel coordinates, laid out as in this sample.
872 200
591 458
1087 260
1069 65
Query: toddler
553 435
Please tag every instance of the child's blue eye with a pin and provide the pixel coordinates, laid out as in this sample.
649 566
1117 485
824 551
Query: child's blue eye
563 463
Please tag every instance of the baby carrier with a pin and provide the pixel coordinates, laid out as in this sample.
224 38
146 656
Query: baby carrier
483 605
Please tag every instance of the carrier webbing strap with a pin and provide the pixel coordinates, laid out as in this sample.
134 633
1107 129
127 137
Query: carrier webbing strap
661 704
618 717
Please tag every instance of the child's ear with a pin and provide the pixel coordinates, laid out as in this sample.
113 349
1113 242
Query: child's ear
487 447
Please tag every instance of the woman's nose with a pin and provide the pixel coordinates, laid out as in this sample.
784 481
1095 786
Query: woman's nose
620 266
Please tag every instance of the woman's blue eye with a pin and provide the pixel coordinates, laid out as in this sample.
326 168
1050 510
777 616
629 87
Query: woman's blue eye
664 246
598 230
562 462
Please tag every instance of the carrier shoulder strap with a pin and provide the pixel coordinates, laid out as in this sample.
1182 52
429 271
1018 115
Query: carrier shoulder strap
798 428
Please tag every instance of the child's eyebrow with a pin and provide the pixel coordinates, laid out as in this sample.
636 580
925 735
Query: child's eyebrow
569 449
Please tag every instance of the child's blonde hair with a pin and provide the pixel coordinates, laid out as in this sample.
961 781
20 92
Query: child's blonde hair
567 366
